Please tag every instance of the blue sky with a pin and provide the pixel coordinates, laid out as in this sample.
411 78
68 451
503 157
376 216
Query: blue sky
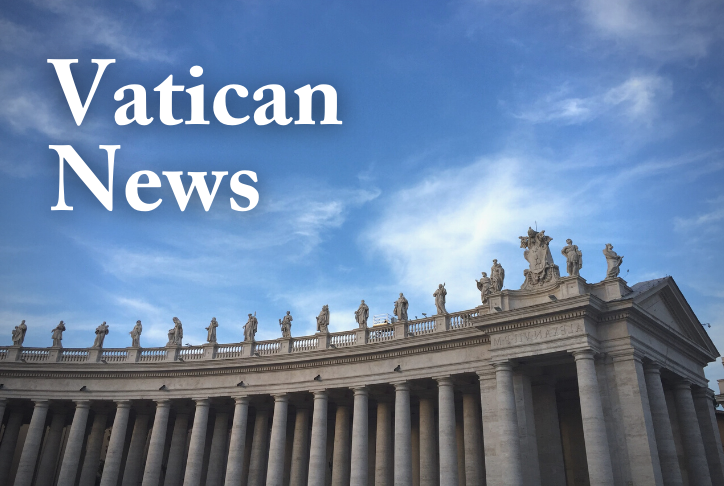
463 124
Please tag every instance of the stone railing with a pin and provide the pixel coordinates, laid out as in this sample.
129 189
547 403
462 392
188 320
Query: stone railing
303 344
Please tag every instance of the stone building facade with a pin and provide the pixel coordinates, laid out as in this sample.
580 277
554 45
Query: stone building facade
560 383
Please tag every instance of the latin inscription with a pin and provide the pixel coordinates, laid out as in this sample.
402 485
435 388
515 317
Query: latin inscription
537 335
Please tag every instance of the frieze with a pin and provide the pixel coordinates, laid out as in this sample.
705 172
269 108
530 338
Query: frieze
539 334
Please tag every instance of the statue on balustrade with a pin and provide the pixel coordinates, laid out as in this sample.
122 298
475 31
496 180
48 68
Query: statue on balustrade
285 324
211 331
574 258
439 295
497 276
323 320
400 309
250 328
101 333
484 287
136 335
542 271
58 335
19 334
613 260
361 315
176 334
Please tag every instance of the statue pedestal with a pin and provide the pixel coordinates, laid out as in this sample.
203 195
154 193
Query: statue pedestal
400 329
54 353
442 322
362 336
209 351
14 353
572 286
285 345
132 354
322 340
172 352
248 349
94 355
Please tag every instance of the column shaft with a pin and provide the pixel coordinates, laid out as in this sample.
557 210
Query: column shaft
460 443
176 458
215 471
508 440
403 441
447 433
692 442
489 412
318 445
474 466
235 462
132 471
33 439
277 444
527 428
195 459
704 404
49 459
259 443
548 432
600 472
662 427
9 442
341 452
74 444
360 450
154 459
428 444
114 454
300 449
92 458
384 454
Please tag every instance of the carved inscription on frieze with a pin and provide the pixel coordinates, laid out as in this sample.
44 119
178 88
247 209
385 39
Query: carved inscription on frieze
535 335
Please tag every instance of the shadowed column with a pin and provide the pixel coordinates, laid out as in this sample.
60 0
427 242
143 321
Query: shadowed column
132 471
9 441
428 445
215 472
704 405
92 458
384 455
174 467
508 440
49 459
259 449
300 452
447 433
318 445
403 440
277 444
74 445
235 463
29 456
340 454
472 430
152 471
195 460
360 434
114 454
691 436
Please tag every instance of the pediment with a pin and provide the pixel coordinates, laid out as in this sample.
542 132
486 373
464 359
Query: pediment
656 306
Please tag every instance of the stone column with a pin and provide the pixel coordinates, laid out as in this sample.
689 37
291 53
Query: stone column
217 452
277 445
49 459
526 428
29 456
704 404
548 434
428 445
489 412
157 445
92 458
598 456
300 451
508 441
446 433
176 456
235 463
403 440
257 464
360 433
460 443
9 441
383 445
114 454
3 404
132 471
662 426
318 445
74 444
340 457
195 459
693 445
474 472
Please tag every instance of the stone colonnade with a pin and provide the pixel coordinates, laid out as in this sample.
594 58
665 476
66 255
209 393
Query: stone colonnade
504 426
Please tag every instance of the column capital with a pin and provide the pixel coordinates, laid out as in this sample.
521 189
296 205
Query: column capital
202 402
82 403
502 366
360 390
652 368
281 397
701 392
486 374
627 355
163 403
583 354
443 380
682 384
401 385
242 400
41 402
322 394
123 403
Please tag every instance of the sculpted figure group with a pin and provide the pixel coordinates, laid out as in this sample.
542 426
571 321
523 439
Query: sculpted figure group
175 334
19 334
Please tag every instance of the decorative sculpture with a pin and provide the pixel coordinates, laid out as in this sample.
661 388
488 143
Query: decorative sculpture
19 334
250 328
362 314
211 331
497 276
574 258
136 335
613 260
401 306
484 287
285 324
101 333
58 335
542 270
323 320
176 334
439 295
